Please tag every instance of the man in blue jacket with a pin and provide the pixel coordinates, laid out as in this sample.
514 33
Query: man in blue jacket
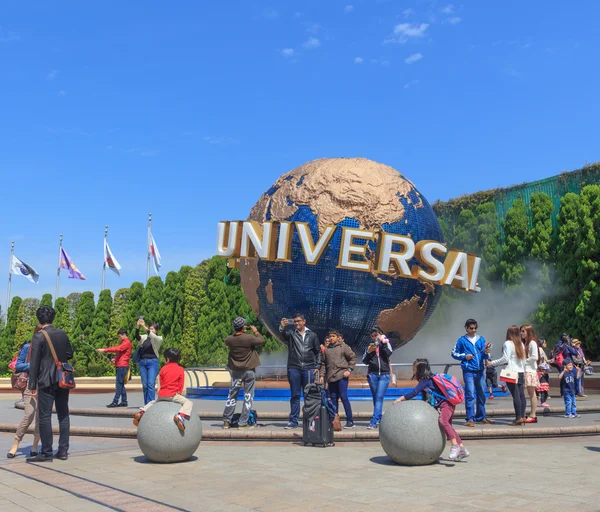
472 351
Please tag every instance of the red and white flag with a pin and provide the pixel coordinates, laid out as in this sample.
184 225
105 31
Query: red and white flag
154 254
109 260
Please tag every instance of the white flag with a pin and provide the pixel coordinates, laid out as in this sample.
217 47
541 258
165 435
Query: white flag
22 269
154 253
109 260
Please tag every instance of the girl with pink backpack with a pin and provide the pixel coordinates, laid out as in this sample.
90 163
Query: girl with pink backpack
443 392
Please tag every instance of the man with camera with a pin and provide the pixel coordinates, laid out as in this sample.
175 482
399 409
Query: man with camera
304 360
242 363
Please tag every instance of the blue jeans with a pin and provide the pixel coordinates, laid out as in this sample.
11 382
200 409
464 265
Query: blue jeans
378 385
148 374
338 390
120 385
475 391
298 380
570 403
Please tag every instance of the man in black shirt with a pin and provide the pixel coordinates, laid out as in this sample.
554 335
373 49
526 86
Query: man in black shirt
43 382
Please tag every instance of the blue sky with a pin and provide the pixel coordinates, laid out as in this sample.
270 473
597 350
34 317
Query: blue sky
190 110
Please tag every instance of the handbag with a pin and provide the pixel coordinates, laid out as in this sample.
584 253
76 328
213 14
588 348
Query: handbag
337 423
64 371
127 376
509 376
588 369
578 360
137 355
18 380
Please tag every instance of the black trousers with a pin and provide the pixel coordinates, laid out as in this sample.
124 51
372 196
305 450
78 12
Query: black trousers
518 394
47 397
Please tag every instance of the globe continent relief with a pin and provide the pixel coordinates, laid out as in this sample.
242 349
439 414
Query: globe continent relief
345 192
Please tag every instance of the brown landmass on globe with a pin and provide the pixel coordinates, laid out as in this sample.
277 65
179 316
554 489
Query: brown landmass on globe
406 318
336 188
250 279
269 292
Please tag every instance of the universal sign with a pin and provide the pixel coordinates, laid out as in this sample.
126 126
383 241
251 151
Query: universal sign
272 241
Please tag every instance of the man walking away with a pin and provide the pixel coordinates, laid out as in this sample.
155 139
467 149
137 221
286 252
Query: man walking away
43 383
123 355
304 360
242 363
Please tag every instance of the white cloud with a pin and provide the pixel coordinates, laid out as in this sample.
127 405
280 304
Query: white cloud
454 20
311 43
449 9
404 31
410 84
270 14
385 63
527 45
287 52
415 57
358 60
52 75
408 12
348 9
62 92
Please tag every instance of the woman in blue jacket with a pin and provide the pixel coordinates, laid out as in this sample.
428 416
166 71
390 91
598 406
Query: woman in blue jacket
30 405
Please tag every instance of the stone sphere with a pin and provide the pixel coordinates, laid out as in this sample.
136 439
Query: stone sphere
159 438
344 193
411 435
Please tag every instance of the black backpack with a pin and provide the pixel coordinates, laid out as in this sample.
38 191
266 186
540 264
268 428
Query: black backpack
252 418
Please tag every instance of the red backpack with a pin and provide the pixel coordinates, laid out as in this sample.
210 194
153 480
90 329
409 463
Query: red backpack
450 387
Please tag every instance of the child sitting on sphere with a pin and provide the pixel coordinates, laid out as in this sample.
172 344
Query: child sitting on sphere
430 392
171 378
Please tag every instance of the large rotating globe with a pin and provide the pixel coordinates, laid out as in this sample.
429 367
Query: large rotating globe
345 192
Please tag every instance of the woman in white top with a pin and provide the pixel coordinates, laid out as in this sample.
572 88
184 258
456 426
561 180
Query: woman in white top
513 355
531 364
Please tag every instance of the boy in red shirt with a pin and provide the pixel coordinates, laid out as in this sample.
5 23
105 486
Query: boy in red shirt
171 378
123 355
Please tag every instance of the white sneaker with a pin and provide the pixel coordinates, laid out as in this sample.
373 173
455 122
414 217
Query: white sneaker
463 453
454 453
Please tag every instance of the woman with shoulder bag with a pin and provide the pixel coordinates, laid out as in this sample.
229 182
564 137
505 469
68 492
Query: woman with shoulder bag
513 355
379 372
148 350
30 402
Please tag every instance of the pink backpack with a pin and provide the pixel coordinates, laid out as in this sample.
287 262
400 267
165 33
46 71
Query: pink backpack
450 387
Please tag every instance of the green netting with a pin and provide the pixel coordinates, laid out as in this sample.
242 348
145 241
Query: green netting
556 187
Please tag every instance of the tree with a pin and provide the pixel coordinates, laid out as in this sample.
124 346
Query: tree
8 334
192 302
26 322
61 320
488 245
118 315
81 331
98 364
72 307
587 253
46 300
515 227
133 310
152 299
170 314
539 239
465 232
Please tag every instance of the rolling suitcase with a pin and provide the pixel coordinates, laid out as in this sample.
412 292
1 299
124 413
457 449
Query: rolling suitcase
317 427
318 430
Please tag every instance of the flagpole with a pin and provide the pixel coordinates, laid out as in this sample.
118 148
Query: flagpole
58 270
12 252
149 235
104 265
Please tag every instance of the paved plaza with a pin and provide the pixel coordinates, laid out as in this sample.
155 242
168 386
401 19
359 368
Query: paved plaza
111 474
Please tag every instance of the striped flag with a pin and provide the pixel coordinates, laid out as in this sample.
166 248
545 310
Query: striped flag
155 254
109 260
